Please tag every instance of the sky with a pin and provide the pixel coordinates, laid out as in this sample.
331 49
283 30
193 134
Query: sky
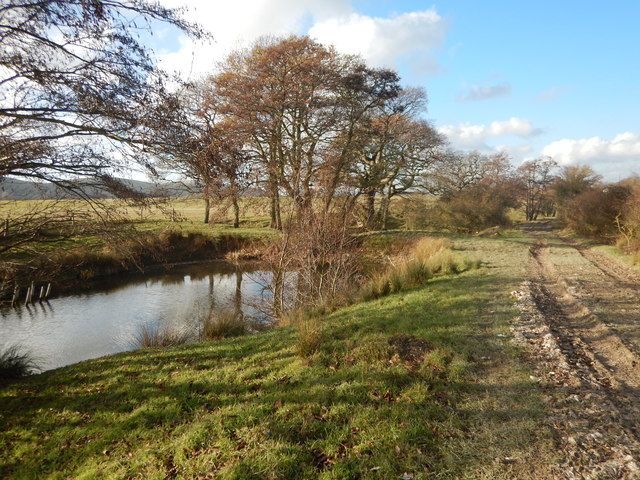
557 78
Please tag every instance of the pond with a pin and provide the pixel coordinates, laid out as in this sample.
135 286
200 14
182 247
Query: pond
69 329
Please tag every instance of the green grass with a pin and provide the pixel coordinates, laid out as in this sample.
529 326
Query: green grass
421 382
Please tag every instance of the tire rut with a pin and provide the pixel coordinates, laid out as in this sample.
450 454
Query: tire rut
590 377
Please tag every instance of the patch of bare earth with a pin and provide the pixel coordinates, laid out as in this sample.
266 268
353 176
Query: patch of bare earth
579 321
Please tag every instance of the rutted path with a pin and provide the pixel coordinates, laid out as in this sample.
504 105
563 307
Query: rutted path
580 319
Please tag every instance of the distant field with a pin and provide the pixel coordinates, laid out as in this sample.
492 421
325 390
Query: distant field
185 214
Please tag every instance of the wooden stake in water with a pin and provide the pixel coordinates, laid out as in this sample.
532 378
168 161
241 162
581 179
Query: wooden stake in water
26 300
41 293
16 293
46 295
32 292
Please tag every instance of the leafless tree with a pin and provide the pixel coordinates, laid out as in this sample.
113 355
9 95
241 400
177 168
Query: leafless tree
395 148
537 176
80 98
79 93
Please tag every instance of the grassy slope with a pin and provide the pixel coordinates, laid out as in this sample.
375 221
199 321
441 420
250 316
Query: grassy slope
252 408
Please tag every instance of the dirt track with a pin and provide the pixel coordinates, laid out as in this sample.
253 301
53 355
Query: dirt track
581 322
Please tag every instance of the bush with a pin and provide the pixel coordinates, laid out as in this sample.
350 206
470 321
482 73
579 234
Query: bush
320 248
593 213
474 209
15 363
628 222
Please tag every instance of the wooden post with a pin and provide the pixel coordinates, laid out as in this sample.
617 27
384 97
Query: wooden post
16 293
46 295
32 291
26 300
41 293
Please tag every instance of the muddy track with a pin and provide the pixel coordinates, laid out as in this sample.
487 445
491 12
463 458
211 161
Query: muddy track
587 367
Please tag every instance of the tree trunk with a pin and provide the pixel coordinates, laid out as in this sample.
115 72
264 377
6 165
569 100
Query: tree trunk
275 206
371 208
236 211
384 211
207 209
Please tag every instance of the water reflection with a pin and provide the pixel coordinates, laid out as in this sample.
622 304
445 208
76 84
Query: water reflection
69 329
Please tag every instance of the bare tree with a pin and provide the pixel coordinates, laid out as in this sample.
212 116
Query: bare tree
79 94
455 171
571 182
207 149
537 176
395 148
474 190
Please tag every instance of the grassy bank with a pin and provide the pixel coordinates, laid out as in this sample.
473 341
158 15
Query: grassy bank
419 384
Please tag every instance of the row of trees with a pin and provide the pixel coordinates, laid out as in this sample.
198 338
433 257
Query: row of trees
299 120
307 123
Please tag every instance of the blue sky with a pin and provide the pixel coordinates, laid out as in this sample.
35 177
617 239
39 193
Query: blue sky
558 78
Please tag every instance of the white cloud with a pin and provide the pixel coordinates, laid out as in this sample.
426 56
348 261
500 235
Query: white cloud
468 136
485 92
622 147
384 42
237 23
408 37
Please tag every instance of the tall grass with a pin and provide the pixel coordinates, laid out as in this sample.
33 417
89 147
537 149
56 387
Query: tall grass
427 257
149 335
16 363
223 324
309 336
216 325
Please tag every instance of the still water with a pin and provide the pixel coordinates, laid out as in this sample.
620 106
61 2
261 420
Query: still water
69 329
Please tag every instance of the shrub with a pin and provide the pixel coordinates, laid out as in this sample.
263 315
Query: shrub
320 248
593 213
414 211
475 208
15 363
628 222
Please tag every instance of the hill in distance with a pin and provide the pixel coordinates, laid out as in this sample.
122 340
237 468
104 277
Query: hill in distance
13 189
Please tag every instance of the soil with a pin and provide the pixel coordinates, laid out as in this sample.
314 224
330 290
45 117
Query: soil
580 324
